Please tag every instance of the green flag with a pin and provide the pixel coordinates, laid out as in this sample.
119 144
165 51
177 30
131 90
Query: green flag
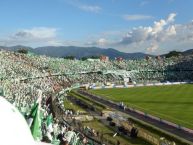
36 123
49 120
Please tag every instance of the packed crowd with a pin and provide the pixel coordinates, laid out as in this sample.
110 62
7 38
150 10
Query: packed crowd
160 69
23 78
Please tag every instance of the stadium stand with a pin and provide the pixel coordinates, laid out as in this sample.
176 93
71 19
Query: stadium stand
27 78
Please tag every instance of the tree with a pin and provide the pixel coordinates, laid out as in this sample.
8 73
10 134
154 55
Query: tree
173 54
69 57
84 58
94 57
22 50
91 57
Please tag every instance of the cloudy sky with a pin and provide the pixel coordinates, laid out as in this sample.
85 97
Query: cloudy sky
150 26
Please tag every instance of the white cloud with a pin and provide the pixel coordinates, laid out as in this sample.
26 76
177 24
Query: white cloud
136 35
90 8
35 33
171 17
99 42
153 47
102 41
85 7
158 26
171 30
160 37
185 32
136 17
33 36
161 31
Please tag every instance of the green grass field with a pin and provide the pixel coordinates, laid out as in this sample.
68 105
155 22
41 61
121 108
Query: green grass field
173 103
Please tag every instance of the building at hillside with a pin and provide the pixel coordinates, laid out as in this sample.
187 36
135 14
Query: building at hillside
104 58
119 59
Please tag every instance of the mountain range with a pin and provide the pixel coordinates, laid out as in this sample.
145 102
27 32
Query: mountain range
78 52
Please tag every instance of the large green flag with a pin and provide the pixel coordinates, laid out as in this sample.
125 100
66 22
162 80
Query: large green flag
36 123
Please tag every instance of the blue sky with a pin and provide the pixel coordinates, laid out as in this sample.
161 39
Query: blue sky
150 26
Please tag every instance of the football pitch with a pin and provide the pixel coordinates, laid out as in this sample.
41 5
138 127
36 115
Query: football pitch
173 103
